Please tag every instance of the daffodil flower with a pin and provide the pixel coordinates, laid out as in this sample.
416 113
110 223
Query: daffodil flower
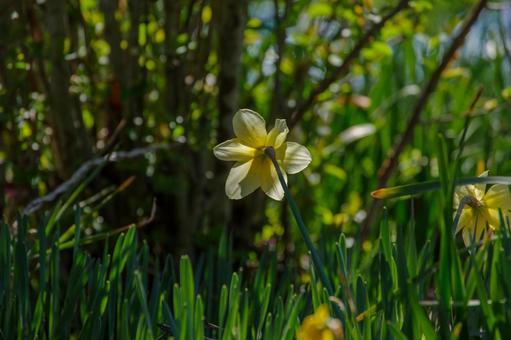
253 168
480 209
320 326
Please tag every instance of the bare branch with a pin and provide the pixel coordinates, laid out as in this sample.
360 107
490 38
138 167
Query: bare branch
85 168
389 165
344 67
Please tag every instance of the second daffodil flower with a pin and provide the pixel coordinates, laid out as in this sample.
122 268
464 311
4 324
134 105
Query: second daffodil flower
481 209
253 168
320 326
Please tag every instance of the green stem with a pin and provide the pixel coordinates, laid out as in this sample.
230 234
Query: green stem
270 152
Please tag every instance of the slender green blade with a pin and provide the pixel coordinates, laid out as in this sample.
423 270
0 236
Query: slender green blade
419 188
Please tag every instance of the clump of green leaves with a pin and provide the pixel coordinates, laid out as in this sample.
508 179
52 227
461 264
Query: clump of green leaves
397 289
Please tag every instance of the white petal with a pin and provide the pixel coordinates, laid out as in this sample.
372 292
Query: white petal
474 190
458 195
250 128
467 190
278 134
480 188
296 158
270 181
498 197
233 150
242 180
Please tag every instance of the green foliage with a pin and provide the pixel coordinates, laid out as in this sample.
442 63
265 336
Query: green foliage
145 72
49 292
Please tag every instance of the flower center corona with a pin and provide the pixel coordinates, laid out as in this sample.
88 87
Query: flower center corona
472 202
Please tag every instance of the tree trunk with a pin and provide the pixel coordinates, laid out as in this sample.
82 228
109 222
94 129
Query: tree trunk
135 78
111 118
113 37
241 216
232 18
71 142
172 63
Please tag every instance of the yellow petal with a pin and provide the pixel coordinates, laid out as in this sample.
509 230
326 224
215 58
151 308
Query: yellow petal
322 313
466 218
480 226
278 134
250 128
473 231
472 225
243 179
498 197
327 334
270 181
494 218
467 235
296 158
233 150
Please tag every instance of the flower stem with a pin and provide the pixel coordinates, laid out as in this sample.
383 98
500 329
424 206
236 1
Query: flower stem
270 152
466 200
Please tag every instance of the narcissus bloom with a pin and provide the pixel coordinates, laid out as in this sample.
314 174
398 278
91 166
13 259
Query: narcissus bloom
253 168
320 326
480 214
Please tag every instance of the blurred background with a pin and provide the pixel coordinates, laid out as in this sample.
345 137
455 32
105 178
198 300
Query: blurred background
81 79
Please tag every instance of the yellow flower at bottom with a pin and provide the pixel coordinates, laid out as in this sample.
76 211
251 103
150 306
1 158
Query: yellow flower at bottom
253 168
320 326
481 209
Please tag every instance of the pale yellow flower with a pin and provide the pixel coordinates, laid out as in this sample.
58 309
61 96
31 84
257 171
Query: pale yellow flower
480 214
320 326
253 168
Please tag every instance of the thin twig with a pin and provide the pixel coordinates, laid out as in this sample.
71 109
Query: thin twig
114 138
339 72
502 35
67 244
280 37
469 303
84 169
388 167
468 116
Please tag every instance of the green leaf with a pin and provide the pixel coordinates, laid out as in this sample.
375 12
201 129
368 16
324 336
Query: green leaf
222 306
199 318
320 10
419 188
387 249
